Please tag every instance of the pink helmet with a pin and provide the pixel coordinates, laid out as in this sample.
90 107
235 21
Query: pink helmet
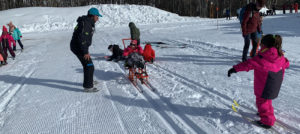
134 42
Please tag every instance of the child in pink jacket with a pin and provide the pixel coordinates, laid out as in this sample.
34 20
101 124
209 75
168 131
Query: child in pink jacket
133 48
6 40
269 66
133 55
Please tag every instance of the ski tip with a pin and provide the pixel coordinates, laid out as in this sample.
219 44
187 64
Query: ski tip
233 108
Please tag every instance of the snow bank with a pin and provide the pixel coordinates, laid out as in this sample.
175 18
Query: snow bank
40 19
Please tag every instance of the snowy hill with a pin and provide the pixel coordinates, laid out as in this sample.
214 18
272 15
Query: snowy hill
41 92
40 19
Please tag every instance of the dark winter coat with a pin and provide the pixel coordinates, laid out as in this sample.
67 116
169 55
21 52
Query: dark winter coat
251 20
269 70
82 36
134 32
117 53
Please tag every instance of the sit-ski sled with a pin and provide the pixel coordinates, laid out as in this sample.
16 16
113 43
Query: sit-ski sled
137 74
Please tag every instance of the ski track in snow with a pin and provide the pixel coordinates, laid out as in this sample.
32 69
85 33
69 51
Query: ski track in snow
9 92
192 92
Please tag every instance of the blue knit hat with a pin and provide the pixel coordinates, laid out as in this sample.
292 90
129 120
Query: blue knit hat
94 11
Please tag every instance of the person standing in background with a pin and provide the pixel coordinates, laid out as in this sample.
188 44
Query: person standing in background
16 34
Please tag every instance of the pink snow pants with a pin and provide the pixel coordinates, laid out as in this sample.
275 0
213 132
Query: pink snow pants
266 111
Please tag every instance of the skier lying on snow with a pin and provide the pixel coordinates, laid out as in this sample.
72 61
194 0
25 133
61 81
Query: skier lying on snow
117 53
133 55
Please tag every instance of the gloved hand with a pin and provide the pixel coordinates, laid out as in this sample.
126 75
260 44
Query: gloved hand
230 71
21 36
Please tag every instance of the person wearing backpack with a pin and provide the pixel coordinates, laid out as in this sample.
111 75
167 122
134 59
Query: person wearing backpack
251 23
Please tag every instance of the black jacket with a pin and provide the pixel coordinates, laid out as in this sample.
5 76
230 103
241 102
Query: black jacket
117 53
82 36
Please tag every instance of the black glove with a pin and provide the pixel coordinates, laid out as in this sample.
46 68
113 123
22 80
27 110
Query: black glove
230 71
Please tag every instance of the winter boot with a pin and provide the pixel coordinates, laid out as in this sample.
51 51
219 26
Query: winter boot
93 89
4 63
263 125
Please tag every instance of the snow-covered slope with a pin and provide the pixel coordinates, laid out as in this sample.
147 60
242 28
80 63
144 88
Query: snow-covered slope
40 19
40 91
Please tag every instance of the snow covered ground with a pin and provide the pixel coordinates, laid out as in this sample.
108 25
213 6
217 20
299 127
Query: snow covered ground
40 91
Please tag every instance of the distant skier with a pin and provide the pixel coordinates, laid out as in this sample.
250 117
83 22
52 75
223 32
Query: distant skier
296 6
134 32
250 25
133 55
80 43
117 53
227 14
16 34
291 8
6 41
269 67
283 8
274 9
149 54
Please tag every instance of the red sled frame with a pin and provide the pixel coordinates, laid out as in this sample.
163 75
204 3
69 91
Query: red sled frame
136 73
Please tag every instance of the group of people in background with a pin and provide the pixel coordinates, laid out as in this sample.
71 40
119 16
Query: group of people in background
8 37
291 7
133 54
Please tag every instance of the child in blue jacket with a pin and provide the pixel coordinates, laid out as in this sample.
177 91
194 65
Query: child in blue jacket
16 34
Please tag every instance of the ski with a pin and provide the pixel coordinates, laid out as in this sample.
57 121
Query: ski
91 90
236 109
149 86
134 84
278 123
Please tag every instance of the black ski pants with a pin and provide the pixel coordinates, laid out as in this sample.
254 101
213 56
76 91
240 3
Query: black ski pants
247 38
20 43
88 69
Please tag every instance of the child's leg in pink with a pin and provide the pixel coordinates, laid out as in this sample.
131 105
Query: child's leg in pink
266 111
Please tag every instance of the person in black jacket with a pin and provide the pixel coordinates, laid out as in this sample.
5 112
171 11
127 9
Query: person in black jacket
117 53
81 40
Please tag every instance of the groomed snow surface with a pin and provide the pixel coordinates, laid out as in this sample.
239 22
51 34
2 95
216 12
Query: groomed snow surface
41 90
